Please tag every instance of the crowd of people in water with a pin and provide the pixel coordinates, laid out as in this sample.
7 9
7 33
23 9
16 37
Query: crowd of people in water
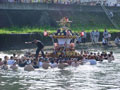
30 63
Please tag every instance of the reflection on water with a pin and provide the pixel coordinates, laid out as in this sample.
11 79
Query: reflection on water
103 76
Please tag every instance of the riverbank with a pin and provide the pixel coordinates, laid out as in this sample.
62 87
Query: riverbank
17 41
27 30
88 46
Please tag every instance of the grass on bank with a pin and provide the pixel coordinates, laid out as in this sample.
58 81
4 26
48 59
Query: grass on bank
24 30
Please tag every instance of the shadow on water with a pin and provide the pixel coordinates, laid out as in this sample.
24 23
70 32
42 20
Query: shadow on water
65 76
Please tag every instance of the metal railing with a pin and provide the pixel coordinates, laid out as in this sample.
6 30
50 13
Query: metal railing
110 17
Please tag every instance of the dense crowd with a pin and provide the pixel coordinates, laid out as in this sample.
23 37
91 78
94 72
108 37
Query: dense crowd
44 1
29 63
66 2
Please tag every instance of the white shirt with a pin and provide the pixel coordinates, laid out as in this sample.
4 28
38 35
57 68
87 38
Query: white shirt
97 34
10 62
109 35
117 40
105 34
40 64
28 61
85 35
53 65
104 41
92 34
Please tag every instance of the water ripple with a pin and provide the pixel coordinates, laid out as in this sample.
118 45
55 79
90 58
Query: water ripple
103 76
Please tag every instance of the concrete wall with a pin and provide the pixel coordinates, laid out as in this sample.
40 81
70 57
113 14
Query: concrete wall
24 14
17 41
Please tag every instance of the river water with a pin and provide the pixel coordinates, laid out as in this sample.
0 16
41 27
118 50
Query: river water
103 76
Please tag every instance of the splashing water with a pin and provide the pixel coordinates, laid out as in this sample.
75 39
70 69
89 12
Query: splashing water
103 76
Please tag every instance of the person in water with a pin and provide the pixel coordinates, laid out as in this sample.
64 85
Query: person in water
1 63
29 67
11 61
62 65
14 67
4 66
75 63
45 64
39 45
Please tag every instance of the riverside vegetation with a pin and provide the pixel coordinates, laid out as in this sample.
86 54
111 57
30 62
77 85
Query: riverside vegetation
25 30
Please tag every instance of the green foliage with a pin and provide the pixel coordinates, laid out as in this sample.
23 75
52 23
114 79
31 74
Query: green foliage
23 30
